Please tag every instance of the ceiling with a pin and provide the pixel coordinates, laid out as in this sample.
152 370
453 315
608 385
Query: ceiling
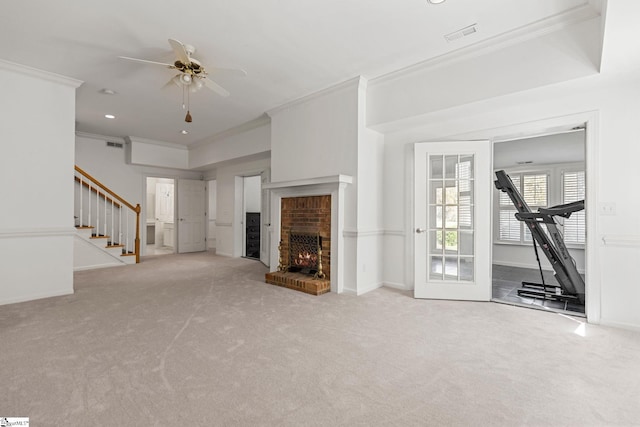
289 49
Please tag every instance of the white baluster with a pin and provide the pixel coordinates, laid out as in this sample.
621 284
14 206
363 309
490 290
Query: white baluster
105 214
81 210
126 246
120 226
89 204
113 231
97 211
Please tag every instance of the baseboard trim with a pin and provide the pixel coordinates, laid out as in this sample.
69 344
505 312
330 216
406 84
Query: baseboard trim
33 297
619 325
97 266
394 285
369 288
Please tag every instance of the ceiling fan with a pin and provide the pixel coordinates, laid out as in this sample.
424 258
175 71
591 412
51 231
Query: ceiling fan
192 75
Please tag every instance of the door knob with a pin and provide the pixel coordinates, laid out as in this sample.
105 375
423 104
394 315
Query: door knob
420 230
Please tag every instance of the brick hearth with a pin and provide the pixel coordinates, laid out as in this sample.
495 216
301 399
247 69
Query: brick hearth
311 214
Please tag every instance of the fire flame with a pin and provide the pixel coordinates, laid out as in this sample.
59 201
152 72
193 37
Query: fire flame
306 259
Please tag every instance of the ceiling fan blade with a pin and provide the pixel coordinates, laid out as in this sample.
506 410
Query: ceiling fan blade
172 82
180 51
227 71
144 61
215 87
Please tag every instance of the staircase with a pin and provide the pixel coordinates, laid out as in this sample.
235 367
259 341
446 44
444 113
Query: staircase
108 227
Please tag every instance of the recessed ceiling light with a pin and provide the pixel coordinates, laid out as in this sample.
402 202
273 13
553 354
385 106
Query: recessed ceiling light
106 91
436 1
110 116
184 132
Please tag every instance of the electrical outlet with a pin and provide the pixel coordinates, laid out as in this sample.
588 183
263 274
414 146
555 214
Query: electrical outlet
607 208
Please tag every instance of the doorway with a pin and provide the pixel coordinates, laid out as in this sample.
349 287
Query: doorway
251 207
160 213
547 170
212 208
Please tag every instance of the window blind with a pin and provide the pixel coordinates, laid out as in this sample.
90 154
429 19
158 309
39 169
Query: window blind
573 189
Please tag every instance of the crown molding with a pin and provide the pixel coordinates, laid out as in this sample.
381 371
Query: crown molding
356 82
333 179
245 127
101 137
130 139
40 74
518 35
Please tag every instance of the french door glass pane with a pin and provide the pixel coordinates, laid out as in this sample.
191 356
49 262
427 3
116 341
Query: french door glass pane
451 220
436 268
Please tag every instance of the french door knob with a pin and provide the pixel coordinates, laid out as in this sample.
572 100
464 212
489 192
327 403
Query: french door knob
420 230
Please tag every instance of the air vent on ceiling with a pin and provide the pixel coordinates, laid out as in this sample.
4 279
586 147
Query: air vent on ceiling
463 32
115 144
526 162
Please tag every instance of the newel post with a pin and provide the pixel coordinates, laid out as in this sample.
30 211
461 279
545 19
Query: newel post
137 241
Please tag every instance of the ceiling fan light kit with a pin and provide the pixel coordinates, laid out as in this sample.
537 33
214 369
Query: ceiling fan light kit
193 75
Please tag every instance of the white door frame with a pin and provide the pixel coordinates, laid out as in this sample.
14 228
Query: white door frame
144 207
592 147
238 210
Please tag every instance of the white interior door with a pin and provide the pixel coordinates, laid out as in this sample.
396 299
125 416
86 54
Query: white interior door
265 218
191 216
452 220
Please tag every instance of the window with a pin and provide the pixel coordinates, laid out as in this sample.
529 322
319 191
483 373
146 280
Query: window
534 188
554 185
573 189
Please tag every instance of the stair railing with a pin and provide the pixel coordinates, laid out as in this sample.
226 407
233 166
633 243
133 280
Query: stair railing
105 214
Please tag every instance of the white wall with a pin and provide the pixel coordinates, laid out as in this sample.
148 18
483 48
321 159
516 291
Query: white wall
145 152
251 140
36 168
370 228
316 136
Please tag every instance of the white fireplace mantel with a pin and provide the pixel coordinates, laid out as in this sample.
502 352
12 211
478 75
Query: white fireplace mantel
329 185
334 179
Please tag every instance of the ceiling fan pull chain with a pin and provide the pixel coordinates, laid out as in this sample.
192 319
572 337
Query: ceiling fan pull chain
188 118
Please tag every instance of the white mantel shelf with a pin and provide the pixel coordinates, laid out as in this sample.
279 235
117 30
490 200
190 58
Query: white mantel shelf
333 179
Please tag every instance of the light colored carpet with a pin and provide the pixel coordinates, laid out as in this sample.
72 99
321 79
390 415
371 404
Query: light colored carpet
201 340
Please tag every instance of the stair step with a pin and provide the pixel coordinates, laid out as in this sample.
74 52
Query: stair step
115 246
85 227
101 236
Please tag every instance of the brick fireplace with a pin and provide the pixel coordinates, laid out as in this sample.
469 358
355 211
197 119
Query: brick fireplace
333 242
304 245
318 212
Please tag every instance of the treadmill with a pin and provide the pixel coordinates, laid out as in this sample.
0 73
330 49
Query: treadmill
570 286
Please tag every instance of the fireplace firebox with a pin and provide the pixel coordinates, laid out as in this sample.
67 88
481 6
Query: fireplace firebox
303 251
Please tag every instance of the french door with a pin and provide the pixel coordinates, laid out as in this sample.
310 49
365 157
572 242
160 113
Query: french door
452 220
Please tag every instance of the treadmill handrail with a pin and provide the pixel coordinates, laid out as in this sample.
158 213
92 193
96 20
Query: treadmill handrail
565 210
